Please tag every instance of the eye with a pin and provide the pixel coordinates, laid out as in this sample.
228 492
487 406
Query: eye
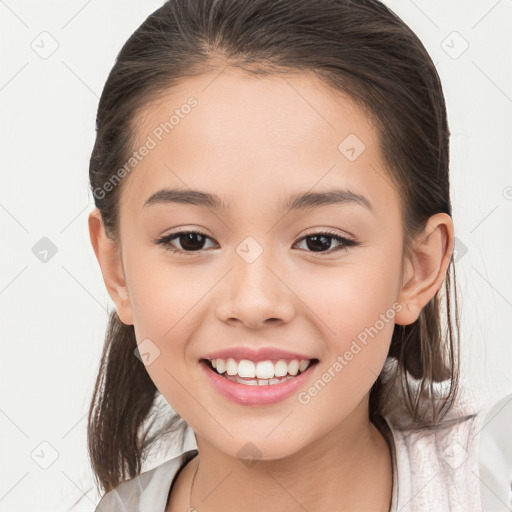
322 240
190 241
193 241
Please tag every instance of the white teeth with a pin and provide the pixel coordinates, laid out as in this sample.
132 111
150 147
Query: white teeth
231 366
293 367
281 368
246 368
303 365
258 382
252 382
221 365
262 372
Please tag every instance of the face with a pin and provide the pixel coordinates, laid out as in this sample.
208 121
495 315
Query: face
261 274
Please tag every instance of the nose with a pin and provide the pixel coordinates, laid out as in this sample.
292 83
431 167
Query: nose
254 294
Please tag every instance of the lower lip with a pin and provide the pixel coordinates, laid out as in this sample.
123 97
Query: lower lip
255 395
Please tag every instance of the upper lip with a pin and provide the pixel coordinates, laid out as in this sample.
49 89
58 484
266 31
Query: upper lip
256 354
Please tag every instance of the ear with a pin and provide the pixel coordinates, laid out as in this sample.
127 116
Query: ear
426 269
109 257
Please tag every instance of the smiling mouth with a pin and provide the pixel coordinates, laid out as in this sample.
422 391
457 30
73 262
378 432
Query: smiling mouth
252 381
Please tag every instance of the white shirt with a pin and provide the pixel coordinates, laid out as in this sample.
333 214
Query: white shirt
432 471
495 456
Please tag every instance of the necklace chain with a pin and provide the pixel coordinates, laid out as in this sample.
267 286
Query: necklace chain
190 508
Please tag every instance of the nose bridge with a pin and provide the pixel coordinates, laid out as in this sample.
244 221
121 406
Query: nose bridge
251 270
256 293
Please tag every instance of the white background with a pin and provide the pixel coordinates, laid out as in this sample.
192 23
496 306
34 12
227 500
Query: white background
53 314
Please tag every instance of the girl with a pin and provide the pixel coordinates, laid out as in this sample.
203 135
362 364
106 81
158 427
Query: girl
273 224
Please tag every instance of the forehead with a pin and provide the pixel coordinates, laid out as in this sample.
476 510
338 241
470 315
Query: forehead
249 137
271 105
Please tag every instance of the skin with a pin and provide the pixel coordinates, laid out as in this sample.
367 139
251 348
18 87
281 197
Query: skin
254 141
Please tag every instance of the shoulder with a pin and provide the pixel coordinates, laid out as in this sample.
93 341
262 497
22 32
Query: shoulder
148 491
495 456
436 468
450 466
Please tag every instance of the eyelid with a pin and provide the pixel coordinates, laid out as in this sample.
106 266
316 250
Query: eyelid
328 231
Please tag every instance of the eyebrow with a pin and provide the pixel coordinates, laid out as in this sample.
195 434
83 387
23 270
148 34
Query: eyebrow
301 201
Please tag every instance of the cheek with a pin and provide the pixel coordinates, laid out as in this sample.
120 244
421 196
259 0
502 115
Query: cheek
167 310
356 343
164 298
348 301
356 315
163 312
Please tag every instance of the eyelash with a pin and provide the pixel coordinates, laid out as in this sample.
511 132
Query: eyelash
345 242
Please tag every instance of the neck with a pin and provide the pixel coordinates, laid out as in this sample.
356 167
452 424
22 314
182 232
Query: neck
349 468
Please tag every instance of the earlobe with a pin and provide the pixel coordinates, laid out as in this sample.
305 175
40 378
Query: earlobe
426 269
109 258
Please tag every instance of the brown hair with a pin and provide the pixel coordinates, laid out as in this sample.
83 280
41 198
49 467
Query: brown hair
360 48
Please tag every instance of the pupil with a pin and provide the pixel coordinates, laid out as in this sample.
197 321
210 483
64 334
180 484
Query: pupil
319 245
189 242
